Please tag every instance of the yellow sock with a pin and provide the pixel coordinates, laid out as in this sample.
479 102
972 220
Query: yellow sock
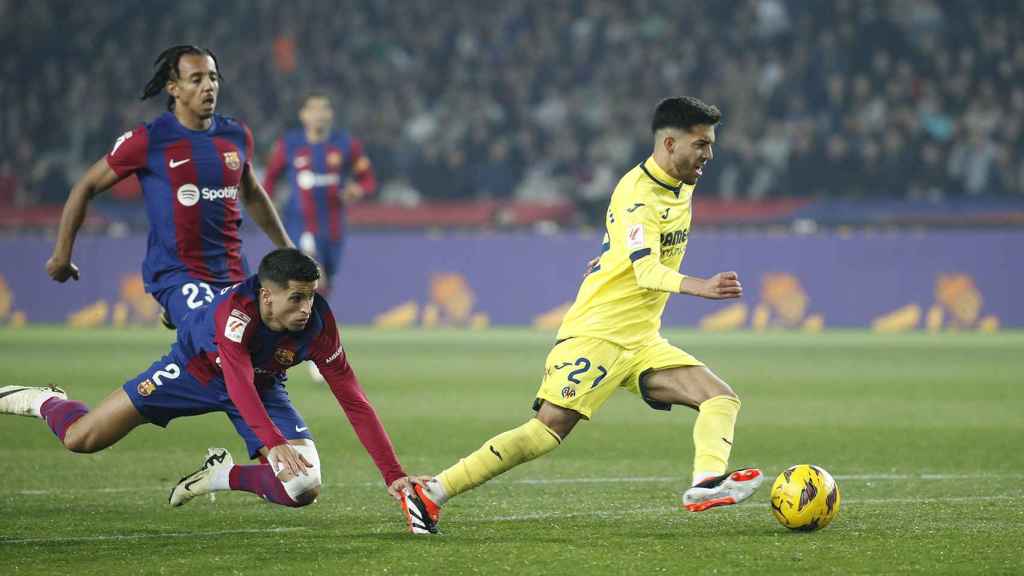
499 454
712 434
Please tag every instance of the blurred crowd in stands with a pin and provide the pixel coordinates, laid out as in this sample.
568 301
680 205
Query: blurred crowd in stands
548 100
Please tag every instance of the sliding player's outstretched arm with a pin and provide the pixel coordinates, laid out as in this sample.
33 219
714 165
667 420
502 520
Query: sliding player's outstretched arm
330 358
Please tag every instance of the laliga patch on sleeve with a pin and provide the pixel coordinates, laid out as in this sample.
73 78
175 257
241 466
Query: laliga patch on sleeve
635 237
234 328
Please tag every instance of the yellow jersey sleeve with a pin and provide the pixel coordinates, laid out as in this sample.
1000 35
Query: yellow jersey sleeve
643 241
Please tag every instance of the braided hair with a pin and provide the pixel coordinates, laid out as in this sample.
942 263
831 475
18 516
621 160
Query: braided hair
166 66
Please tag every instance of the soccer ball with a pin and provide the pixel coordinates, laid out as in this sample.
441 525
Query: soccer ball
805 497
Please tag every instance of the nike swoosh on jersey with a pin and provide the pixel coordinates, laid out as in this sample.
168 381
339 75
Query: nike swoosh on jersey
175 163
302 429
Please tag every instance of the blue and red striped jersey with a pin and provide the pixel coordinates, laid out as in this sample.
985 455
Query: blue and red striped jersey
234 316
317 173
228 342
190 182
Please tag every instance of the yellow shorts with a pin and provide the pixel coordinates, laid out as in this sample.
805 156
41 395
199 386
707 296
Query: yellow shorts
581 373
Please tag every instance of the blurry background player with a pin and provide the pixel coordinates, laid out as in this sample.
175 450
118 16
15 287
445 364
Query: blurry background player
326 169
231 357
193 166
610 337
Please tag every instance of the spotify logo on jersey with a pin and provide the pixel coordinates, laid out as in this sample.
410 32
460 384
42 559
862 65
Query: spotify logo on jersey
188 195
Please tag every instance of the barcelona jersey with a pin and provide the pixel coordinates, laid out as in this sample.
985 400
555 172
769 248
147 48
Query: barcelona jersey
190 183
317 173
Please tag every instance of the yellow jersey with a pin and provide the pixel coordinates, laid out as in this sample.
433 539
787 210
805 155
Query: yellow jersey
647 225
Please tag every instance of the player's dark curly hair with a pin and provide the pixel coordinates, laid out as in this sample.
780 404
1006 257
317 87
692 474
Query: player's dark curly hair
684 112
286 264
166 66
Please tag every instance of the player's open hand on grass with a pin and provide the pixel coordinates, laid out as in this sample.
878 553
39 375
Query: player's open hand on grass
61 270
287 461
405 483
721 286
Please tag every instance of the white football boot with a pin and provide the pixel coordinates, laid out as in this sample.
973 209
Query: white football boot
729 488
198 482
26 400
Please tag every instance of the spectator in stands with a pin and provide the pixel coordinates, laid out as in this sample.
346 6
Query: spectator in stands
432 101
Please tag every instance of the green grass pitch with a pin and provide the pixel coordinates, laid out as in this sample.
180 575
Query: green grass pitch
925 435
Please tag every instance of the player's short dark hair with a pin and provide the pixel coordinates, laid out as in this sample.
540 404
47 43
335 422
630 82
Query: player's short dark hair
286 264
684 112
166 68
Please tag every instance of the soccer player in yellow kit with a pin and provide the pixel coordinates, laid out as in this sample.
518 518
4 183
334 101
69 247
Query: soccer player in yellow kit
610 337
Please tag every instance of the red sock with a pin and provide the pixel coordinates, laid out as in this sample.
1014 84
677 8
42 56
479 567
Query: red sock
61 414
259 479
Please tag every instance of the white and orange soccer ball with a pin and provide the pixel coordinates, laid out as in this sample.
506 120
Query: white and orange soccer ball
805 497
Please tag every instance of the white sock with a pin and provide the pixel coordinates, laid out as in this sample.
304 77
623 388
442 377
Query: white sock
435 491
699 477
39 400
221 479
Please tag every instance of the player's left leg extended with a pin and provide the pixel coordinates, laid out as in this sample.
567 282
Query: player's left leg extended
536 437
78 428
579 376
697 387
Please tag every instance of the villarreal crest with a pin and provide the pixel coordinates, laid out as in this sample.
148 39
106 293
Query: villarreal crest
232 161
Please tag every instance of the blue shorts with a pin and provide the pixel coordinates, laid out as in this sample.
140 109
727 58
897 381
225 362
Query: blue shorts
166 391
180 299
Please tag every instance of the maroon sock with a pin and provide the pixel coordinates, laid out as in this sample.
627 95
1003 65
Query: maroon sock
61 414
259 479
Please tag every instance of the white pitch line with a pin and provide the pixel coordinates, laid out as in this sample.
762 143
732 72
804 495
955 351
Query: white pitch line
150 536
551 481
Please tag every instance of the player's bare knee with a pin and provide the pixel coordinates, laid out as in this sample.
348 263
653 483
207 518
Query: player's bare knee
560 420
81 440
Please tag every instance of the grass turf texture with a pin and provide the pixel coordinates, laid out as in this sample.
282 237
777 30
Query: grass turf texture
922 432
